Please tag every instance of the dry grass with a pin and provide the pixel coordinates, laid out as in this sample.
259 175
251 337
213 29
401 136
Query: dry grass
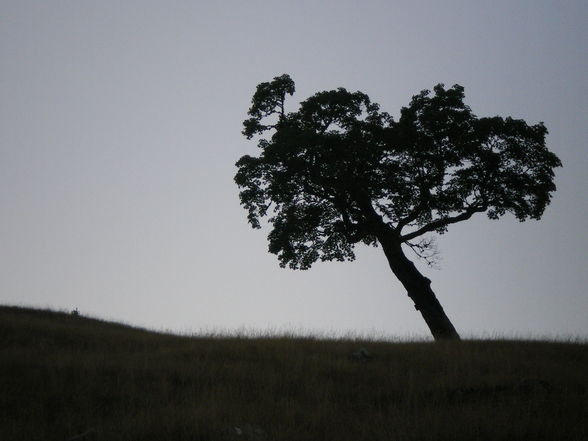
63 376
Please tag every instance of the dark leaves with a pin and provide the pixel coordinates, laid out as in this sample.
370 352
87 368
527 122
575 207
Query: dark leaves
338 171
268 100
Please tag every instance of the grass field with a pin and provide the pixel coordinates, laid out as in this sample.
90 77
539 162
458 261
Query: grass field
66 377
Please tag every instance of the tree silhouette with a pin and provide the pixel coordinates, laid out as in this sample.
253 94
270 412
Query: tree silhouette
339 171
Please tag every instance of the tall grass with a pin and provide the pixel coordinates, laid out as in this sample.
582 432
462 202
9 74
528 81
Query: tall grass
64 377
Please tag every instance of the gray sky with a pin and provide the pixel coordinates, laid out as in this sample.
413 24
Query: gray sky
120 125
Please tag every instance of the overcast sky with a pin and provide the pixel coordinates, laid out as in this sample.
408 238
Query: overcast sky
120 126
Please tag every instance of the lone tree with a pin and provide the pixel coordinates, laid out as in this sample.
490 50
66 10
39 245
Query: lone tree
339 171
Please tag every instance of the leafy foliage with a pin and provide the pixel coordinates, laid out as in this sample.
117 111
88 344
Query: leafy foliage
339 171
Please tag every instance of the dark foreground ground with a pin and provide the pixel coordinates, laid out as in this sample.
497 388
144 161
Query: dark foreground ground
65 377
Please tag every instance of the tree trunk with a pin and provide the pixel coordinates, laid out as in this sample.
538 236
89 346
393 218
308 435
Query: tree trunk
419 290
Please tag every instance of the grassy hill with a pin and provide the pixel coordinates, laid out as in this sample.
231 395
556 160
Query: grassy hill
66 377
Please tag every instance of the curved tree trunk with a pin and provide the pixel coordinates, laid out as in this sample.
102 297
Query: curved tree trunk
419 290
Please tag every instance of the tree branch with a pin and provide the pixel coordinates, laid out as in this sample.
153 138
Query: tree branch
443 222
425 197
354 232
427 250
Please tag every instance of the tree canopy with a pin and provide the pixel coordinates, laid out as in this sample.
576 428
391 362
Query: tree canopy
338 171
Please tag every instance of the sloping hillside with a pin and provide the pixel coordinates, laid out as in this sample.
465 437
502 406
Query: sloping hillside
66 377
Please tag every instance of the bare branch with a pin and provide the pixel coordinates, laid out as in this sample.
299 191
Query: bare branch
426 249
